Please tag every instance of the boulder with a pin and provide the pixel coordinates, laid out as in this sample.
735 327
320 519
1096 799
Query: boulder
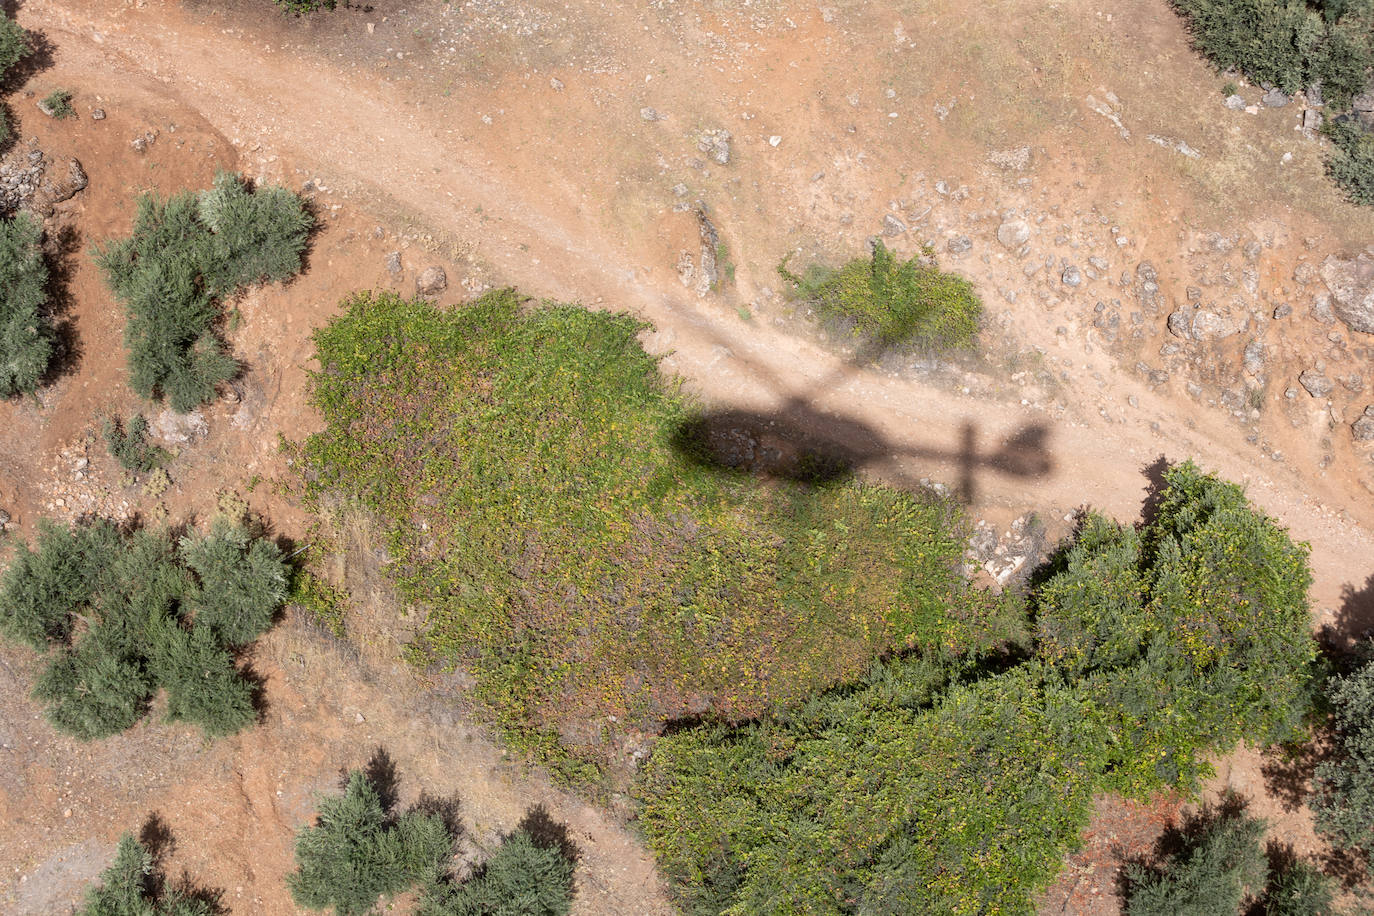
1351 281
1363 428
431 281
1317 384
1014 233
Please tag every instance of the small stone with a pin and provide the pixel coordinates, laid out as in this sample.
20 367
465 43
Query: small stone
680 190
431 281
1283 311
960 244
892 226
98 114
716 144
1312 119
140 144
393 263
1275 98
774 140
1363 102
556 84
1014 233
1254 357
1322 311
1072 276
1193 293
4 518
1317 384
649 114
1234 103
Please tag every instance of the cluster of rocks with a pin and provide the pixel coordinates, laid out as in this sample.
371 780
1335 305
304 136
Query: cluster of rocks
1012 556
31 181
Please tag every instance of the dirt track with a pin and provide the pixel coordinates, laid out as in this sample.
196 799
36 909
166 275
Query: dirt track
566 192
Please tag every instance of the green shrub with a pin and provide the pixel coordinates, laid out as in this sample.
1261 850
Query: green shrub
26 338
177 266
522 878
1219 867
523 464
128 444
884 302
1299 890
951 785
147 623
1288 43
357 851
1343 787
129 888
1351 165
15 45
58 104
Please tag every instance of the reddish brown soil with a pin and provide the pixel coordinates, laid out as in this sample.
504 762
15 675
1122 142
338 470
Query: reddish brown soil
436 130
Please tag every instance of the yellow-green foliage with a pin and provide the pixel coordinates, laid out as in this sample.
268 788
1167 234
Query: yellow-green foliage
572 557
884 301
944 785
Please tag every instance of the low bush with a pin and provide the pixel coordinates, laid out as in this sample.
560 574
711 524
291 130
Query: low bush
26 337
186 255
948 784
128 443
523 466
58 104
884 301
132 887
1351 165
152 614
306 6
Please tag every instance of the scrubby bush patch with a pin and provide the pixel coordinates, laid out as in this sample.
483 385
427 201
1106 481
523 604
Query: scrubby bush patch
128 443
581 566
123 614
26 336
187 254
884 302
946 784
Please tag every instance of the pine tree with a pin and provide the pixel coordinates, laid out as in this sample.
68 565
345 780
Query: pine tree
126 889
357 852
45 586
203 685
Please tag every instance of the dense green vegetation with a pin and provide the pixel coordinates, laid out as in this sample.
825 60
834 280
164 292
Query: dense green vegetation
360 849
187 254
522 463
121 614
1343 796
132 887
15 45
26 337
947 783
128 443
883 301
306 6
1295 44
1217 867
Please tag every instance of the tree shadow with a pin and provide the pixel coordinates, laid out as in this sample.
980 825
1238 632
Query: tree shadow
381 772
547 833
1288 769
1345 639
60 250
156 837
41 54
447 808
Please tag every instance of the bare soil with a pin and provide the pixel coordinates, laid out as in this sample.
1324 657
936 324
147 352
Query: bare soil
505 142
